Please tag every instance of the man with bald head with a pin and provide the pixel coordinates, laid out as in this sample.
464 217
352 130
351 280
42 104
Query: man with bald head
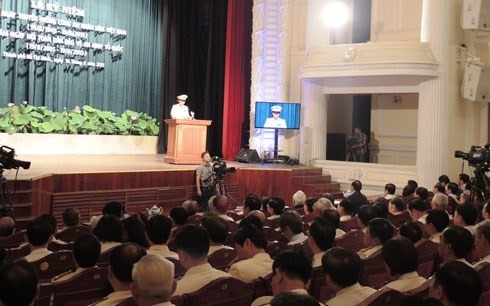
153 281
7 226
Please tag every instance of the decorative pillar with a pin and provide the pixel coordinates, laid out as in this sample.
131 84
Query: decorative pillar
313 138
433 112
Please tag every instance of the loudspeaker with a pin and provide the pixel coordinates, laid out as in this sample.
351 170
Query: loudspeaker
476 15
476 84
248 156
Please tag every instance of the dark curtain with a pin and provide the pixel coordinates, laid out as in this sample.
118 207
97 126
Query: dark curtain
237 75
132 81
194 47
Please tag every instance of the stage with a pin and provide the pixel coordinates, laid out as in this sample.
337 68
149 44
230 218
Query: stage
88 182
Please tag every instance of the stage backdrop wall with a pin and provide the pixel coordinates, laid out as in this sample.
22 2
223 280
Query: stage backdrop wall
131 79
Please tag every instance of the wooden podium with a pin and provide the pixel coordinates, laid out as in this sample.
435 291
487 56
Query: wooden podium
186 141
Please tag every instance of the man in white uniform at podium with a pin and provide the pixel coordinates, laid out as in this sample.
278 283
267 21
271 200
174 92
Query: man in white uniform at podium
275 121
179 110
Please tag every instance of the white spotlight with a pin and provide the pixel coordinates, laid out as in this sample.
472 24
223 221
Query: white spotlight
335 14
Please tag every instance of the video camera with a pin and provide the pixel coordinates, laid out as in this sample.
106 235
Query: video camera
220 168
476 157
8 161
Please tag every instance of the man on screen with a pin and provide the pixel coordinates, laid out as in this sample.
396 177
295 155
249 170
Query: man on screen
275 121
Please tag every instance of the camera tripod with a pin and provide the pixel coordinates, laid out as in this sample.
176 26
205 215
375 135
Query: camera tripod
480 187
221 187
6 209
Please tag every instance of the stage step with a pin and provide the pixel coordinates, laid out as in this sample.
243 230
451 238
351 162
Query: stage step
318 189
314 179
307 171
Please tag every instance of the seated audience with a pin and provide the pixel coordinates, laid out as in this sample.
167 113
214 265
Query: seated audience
465 216
7 226
291 225
123 258
390 190
401 258
365 214
322 205
86 252
251 219
39 235
179 216
112 208
109 231
464 197
463 178
254 262
299 199
153 281
321 239
220 207
308 208
443 180
356 197
439 201
217 229
192 244
18 283
381 209
190 206
408 191
456 244
275 208
439 188
417 209
482 243
333 218
346 210
134 230
486 210
328 196
71 217
251 202
452 191
411 230
342 271
396 206
422 193
54 227
158 233
291 272
437 220
378 231
259 214
291 298
455 283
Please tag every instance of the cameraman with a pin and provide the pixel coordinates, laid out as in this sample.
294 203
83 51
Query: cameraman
205 181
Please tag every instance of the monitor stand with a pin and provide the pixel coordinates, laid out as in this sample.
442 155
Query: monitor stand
276 159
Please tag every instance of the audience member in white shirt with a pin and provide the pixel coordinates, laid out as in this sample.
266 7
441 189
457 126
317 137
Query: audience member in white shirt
482 243
465 215
291 226
321 239
437 220
456 244
157 233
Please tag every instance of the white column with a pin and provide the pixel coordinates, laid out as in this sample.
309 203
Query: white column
313 138
433 113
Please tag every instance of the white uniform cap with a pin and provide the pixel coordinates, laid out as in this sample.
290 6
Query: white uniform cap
276 108
182 97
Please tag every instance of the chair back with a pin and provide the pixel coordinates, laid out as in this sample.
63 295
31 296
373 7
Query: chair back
271 234
262 287
14 240
422 290
18 252
87 287
105 258
318 285
275 247
44 296
308 218
350 224
223 291
54 264
71 233
234 215
232 227
373 272
127 302
353 240
179 270
221 258
484 272
55 246
399 219
428 257
383 297
194 219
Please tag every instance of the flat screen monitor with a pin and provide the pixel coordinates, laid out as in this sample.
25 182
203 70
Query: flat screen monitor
277 115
